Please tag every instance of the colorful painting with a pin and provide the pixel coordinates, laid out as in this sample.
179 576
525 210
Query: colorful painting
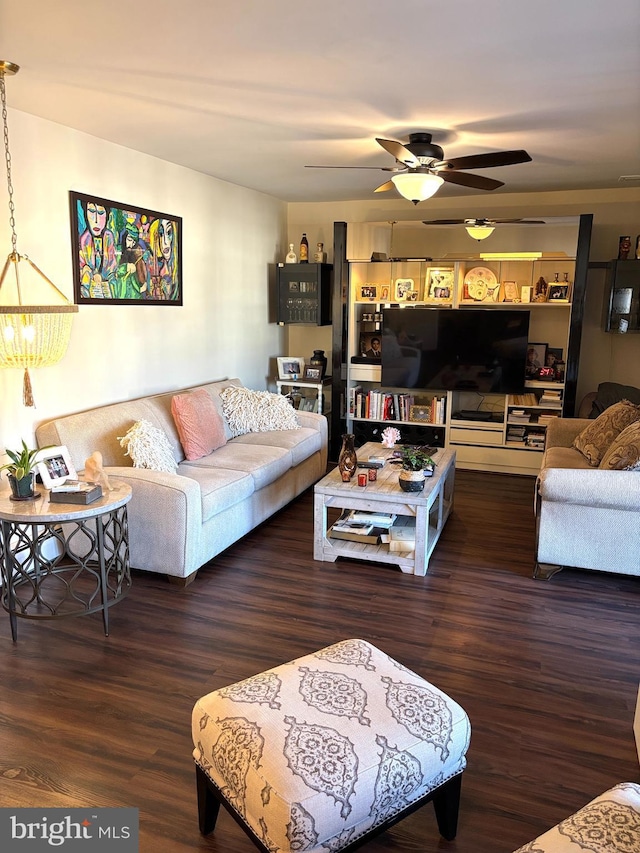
124 255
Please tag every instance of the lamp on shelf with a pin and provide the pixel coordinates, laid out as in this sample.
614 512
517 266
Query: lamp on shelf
417 185
31 335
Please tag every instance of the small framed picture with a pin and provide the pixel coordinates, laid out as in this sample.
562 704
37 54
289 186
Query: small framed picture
367 293
420 413
554 355
558 293
290 367
440 284
404 287
371 345
54 466
312 374
384 293
536 358
511 291
526 293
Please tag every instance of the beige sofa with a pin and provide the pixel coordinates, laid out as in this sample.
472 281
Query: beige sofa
178 522
586 517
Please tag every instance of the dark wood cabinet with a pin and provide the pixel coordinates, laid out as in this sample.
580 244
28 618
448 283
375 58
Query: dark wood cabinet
304 294
623 311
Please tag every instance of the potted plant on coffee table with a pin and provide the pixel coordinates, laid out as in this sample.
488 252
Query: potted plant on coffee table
20 472
416 465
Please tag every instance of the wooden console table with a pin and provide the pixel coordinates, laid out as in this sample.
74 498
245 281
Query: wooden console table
64 559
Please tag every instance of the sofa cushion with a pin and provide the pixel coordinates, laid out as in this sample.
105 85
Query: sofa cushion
597 437
200 427
563 457
256 411
302 442
624 453
264 464
221 488
148 447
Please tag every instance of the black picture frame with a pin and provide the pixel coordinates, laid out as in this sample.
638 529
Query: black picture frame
536 358
370 350
123 254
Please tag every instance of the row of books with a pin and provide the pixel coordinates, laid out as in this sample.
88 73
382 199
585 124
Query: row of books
380 405
370 528
528 436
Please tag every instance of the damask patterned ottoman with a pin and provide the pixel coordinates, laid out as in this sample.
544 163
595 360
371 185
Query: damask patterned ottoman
320 753
608 824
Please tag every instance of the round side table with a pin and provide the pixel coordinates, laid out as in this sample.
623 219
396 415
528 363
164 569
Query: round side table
63 559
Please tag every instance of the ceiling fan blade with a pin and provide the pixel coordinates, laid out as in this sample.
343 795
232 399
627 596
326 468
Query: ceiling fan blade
522 221
442 221
388 185
484 161
477 182
399 152
376 168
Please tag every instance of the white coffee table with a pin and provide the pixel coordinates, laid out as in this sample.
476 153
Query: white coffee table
430 507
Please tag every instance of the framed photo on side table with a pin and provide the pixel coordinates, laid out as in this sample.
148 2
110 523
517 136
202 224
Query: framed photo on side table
290 367
312 374
54 466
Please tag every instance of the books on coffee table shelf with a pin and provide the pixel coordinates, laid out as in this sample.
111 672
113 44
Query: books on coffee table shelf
359 526
402 534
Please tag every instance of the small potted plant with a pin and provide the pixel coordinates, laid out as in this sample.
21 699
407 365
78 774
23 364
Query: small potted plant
20 472
416 465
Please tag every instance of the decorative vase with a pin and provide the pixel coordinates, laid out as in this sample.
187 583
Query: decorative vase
347 461
411 481
319 359
22 489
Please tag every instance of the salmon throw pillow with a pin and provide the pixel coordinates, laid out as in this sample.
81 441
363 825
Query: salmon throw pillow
200 426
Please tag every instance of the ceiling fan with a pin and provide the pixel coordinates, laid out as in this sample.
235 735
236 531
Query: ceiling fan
480 229
421 167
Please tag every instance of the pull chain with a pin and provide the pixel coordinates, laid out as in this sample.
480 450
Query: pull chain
7 157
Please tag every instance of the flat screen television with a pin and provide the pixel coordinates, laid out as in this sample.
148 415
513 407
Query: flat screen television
466 349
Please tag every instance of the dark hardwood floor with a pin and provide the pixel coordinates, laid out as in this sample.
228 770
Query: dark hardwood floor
548 672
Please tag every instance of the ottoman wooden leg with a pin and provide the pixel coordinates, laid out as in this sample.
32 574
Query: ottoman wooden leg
208 804
446 802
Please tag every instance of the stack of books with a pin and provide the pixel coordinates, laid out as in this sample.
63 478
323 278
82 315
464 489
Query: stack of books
516 434
545 417
402 535
75 492
519 416
359 526
535 438
552 398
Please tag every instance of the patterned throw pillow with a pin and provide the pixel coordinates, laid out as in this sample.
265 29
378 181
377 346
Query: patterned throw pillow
256 411
148 447
595 439
624 453
200 427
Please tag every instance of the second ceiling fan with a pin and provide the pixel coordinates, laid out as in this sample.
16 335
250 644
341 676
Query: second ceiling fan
421 167
479 229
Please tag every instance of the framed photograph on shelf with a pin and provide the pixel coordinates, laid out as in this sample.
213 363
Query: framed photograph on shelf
54 466
290 367
536 358
558 293
404 290
439 284
312 374
123 254
420 414
384 293
367 293
554 355
511 291
371 346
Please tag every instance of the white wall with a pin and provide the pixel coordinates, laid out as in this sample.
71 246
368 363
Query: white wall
604 357
232 237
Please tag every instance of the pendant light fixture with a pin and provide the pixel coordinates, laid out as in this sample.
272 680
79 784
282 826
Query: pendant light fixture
31 335
417 185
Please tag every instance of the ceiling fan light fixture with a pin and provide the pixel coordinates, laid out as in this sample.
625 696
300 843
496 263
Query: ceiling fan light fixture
417 186
480 232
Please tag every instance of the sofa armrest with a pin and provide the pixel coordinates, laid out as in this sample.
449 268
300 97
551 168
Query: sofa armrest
312 420
562 431
592 487
160 500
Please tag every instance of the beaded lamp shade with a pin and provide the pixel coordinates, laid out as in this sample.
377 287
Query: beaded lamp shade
31 335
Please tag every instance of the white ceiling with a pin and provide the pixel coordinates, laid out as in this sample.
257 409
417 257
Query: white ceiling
251 91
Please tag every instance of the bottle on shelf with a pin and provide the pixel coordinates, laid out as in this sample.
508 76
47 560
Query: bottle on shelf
304 250
291 258
320 255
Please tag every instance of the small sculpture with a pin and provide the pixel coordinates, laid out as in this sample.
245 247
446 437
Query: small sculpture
390 436
94 471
